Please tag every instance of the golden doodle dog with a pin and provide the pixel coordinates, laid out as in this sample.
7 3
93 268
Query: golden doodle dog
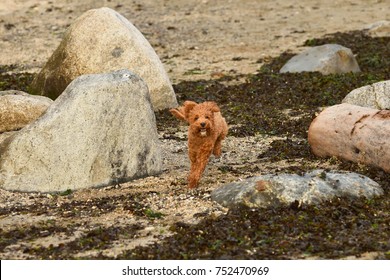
207 129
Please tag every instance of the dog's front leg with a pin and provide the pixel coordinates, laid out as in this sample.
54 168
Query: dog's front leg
198 165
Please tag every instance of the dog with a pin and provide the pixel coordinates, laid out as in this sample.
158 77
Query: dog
207 129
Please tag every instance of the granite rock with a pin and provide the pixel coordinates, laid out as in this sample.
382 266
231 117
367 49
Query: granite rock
100 131
101 41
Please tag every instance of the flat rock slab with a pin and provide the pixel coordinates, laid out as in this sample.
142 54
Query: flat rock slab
376 96
101 41
100 131
327 59
269 191
18 108
353 133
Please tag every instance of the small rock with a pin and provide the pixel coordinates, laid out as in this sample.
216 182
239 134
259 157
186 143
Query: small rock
379 29
376 96
268 191
354 133
5 135
101 41
17 109
327 59
100 131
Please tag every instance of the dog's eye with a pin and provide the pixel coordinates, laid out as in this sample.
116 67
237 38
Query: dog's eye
207 117
196 118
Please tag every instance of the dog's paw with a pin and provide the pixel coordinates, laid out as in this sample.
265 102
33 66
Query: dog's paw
192 182
217 152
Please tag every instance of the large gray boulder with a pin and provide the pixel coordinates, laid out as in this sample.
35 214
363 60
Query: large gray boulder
99 132
100 41
376 96
17 109
327 59
271 190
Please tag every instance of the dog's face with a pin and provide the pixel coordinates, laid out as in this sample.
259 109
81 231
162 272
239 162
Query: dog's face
201 120
199 116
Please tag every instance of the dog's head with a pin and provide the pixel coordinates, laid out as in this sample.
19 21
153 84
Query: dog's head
199 116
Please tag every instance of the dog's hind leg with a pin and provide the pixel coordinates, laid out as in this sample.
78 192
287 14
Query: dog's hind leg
218 147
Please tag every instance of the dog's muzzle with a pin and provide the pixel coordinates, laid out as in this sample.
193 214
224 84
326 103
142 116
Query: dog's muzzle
203 130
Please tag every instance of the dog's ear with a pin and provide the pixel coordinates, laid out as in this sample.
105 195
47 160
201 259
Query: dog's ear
213 107
188 106
183 111
178 114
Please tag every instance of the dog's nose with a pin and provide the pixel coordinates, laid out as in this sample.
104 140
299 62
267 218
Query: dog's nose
202 124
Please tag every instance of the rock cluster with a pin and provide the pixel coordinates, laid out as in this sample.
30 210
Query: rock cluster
101 128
